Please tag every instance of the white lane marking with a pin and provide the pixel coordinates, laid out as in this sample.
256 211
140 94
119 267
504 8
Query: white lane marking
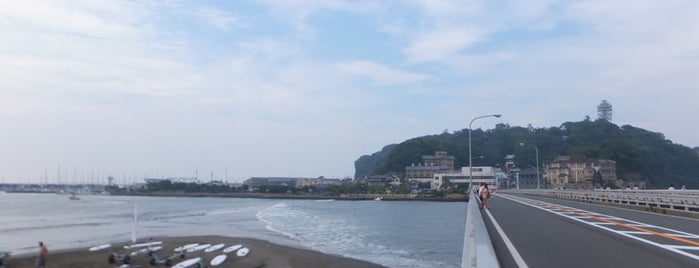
637 225
635 232
628 222
684 235
685 247
674 248
515 254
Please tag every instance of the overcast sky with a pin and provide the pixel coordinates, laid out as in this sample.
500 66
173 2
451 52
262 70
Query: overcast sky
304 88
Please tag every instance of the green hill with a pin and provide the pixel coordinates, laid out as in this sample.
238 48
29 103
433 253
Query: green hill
641 155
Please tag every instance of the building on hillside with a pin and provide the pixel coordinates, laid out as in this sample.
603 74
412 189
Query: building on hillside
382 180
254 183
509 162
440 162
578 172
489 175
526 179
440 158
302 182
422 173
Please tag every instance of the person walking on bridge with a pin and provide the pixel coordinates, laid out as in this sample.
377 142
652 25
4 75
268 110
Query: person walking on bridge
484 194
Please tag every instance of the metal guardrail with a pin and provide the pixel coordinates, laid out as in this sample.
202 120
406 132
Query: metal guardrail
679 201
478 249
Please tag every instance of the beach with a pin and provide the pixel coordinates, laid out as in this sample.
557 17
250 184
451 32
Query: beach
377 232
262 254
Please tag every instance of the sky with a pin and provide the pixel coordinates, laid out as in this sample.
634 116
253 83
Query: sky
299 88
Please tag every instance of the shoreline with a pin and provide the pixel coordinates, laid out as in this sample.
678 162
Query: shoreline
387 197
262 254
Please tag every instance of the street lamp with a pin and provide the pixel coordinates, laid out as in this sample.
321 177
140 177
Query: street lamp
470 160
537 164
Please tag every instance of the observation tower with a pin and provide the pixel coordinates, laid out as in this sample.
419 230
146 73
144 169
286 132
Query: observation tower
604 111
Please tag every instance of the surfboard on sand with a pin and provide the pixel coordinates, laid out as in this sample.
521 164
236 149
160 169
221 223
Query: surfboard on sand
186 247
146 250
140 245
232 248
242 252
214 248
187 263
100 247
198 248
218 260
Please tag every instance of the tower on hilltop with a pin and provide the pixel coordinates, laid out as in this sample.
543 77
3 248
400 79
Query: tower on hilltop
604 111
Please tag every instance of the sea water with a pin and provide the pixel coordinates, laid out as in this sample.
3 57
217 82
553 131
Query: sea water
394 234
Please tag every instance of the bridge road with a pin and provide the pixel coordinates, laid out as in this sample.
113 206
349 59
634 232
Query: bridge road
568 237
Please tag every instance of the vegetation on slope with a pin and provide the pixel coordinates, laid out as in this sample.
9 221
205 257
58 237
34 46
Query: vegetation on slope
641 155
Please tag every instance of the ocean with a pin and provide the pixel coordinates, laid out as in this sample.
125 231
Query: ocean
394 234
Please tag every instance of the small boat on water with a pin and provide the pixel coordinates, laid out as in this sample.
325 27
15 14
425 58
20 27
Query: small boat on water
73 197
378 198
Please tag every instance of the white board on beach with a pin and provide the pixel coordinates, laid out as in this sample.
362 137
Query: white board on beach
140 245
214 248
187 263
146 250
198 248
100 247
242 252
216 261
232 248
186 247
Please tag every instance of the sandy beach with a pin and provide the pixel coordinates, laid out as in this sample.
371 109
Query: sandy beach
262 254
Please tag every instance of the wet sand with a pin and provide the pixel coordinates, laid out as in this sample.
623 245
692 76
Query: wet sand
262 254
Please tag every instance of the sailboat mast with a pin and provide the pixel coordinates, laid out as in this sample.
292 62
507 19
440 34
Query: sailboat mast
135 222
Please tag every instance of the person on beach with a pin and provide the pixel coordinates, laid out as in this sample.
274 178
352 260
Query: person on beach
41 260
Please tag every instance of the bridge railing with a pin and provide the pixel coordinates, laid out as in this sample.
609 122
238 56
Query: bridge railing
685 201
478 248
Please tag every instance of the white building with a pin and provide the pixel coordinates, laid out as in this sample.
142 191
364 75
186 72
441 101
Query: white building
491 176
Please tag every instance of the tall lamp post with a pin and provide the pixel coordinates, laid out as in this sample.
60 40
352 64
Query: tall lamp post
473 158
537 164
470 160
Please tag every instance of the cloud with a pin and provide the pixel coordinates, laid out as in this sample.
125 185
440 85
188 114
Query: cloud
441 44
80 19
176 85
301 8
380 74
50 47
218 18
